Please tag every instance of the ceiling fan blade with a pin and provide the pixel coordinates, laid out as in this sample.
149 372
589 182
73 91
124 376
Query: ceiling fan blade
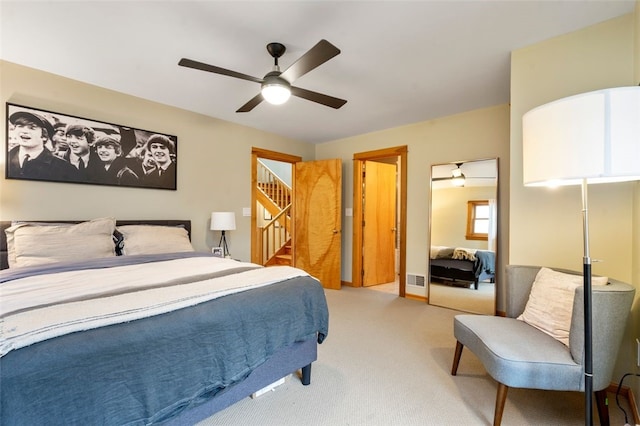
316 56
253 102
217 70
466 177
327 100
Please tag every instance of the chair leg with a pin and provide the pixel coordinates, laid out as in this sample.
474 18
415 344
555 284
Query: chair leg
456 358
501 398
603 407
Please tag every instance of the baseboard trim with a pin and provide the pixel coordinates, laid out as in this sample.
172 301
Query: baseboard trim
627 393
415 297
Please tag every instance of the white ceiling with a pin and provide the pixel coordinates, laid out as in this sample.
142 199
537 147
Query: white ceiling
402 61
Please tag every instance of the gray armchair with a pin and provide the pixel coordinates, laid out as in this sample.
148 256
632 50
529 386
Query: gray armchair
518 355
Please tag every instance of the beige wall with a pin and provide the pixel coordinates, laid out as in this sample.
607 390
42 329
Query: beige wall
541 73
472 135
634 324
213 161
449 218
545 225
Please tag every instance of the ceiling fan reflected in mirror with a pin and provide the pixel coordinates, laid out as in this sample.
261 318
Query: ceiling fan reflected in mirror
276 85
457 177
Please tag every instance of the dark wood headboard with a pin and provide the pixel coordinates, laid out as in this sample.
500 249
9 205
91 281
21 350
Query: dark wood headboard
4 262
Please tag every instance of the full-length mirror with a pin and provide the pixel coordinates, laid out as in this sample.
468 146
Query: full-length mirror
463 224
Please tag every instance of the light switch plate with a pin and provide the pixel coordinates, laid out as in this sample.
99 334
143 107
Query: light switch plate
246 211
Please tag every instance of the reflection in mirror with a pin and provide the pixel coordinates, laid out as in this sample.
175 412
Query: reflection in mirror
463 233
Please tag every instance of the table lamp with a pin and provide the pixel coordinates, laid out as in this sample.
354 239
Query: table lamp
223 221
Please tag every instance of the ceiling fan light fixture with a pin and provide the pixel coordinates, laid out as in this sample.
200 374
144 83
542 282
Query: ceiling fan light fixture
457 177
275 94
458 181
275 90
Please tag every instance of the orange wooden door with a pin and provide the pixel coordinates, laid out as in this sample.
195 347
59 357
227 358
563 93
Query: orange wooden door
317 204
379 231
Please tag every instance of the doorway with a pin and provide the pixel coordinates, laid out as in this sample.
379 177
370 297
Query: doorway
257 213
313 208
365 254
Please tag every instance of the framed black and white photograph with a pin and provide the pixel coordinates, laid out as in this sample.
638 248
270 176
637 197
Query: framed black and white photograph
217 252
50 146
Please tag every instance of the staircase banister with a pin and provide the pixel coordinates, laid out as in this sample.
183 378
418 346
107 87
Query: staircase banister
272 173
277 217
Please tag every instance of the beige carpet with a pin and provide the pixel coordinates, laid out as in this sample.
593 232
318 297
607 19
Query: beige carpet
387 361
480 301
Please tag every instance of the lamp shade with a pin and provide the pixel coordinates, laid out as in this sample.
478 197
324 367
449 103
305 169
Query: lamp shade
593 136
223 221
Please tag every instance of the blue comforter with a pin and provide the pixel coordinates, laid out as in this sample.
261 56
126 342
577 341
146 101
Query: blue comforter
149 370
485 263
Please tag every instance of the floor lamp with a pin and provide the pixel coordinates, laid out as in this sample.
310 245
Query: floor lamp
589 138
223 221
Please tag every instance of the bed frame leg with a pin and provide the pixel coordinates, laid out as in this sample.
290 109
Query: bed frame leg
306 374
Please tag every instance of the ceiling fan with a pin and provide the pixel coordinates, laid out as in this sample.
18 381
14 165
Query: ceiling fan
276 85
458 178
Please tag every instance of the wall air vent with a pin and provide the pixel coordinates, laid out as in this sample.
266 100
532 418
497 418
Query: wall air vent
416 280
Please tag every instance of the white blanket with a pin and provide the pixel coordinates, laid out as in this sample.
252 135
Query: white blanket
464 254
42 307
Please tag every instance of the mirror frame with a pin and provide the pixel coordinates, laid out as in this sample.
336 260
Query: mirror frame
431 227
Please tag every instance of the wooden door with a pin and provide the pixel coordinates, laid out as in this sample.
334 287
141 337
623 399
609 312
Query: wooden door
379 217
317 204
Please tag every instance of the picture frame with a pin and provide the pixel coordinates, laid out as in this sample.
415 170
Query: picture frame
217 252
50 146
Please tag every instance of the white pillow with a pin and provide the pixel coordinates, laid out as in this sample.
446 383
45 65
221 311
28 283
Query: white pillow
31 244
550 303
154 239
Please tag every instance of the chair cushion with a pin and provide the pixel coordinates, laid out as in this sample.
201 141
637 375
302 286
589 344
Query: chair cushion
550 303
518 355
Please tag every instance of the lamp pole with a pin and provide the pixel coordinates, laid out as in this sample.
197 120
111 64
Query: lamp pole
223 244
588 340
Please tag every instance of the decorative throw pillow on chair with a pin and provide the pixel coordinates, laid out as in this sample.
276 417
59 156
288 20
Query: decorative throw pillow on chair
550 302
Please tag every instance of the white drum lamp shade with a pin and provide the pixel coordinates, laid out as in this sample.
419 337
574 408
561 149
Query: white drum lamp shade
223 221
593 136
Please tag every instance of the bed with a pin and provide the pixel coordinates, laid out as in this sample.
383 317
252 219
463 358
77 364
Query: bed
169 337
464 266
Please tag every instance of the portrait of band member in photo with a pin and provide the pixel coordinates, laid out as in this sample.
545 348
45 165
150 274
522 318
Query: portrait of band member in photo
41 146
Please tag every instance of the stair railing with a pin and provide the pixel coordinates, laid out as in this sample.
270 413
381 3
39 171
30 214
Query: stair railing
273 187
276 199
274 236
